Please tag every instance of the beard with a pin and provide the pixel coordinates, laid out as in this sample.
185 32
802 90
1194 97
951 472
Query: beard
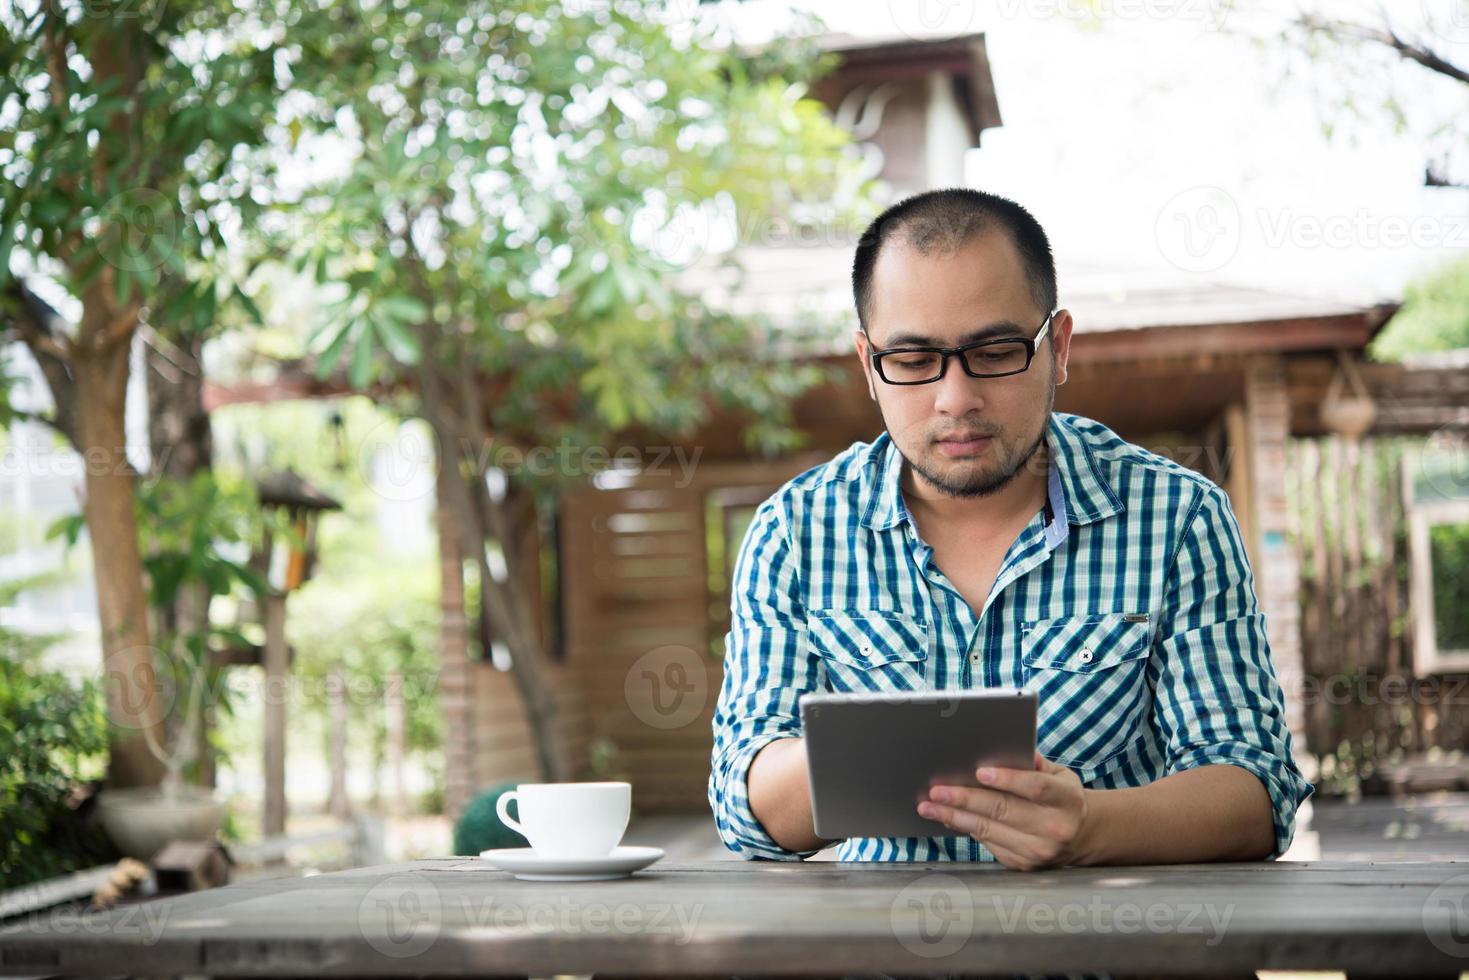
969 478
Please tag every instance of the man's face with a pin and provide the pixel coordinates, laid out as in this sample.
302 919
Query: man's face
965 436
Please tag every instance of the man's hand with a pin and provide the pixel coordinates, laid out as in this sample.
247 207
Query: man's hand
1028 820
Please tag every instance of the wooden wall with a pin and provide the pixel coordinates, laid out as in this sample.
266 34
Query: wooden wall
1366 713
642 655
636 613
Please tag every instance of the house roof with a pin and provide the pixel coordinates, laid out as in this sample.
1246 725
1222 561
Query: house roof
899 56
288 489
1120 314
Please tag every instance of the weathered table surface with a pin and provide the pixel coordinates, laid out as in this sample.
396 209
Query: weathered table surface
458 917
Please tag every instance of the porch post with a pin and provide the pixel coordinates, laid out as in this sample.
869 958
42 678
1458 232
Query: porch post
1266 430
1277 570
456 677
277 664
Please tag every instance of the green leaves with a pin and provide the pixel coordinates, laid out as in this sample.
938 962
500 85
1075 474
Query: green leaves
484 215
69 529
1434 316
53 736
363 326
199 532
393 320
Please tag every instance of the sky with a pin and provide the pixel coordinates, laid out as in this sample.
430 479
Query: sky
1161 137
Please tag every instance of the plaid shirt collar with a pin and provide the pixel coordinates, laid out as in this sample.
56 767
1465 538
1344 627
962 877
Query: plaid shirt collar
1078 492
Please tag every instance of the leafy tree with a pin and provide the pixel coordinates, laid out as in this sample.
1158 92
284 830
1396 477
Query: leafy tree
520 173
125 156
1434 316
197 536
366 626
1383 65
1449 546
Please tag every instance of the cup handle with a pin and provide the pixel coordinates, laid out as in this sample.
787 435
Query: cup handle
502 810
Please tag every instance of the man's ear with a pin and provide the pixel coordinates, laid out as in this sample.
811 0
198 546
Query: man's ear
1061 325
859 337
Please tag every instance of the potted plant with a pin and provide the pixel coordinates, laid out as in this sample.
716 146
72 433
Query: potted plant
197 535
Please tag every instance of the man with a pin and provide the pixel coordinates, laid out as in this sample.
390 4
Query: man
986 541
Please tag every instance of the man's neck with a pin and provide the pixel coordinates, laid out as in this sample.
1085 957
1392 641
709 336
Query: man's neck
1022 496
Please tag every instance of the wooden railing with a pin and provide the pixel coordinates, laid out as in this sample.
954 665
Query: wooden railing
1368 715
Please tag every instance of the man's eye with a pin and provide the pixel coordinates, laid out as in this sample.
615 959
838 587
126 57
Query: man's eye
915 361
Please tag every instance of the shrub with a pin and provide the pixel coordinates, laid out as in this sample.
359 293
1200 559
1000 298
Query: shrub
53 737
480 829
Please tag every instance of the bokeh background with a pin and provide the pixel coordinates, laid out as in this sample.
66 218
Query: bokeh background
387 385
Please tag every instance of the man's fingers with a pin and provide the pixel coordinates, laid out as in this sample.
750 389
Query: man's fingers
1036 786
1014 860
983 828
994 804
1014 848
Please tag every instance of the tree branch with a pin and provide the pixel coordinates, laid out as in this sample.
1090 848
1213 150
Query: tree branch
1388 38
120 330
32 320
56 61
45 420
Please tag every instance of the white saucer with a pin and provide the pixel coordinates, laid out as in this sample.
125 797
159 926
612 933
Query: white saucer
527 865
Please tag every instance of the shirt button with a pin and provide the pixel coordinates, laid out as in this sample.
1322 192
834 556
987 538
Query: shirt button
1086 656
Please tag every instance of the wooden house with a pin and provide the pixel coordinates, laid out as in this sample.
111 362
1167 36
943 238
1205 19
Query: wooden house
1220 377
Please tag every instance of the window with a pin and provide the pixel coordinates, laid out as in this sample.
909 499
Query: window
727 516
1438 538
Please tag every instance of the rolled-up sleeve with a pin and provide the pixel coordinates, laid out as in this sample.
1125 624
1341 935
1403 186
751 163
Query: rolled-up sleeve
767 667
1218 699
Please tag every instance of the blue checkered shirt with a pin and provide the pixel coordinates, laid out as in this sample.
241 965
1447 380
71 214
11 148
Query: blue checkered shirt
1131 614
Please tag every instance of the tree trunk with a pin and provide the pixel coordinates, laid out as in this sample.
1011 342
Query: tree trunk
133 701
179 435
181 445
511 602
338 803
459 428
277 667
456 678
397 741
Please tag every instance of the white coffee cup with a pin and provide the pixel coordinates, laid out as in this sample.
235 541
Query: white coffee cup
569 820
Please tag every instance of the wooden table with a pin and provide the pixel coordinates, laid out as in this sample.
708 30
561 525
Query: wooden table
455 917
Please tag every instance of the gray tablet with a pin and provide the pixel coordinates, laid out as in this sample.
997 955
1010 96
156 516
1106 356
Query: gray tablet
873 756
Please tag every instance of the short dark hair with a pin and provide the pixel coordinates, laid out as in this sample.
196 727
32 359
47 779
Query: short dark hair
947 219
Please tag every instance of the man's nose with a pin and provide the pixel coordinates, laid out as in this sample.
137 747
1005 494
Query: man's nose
957 393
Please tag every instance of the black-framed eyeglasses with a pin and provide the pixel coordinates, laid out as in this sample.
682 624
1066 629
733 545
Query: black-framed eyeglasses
981 359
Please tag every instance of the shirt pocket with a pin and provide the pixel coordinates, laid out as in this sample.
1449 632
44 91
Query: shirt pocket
869 649
1089 673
